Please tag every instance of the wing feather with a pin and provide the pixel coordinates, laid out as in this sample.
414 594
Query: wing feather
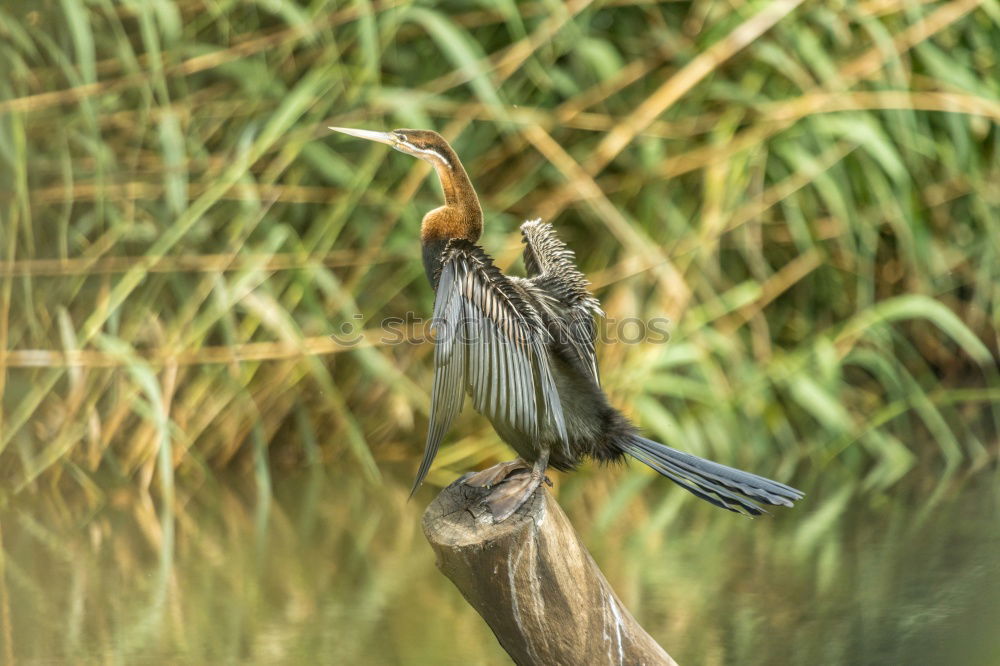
492 343
551 267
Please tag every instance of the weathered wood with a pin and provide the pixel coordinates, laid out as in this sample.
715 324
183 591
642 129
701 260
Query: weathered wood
534 582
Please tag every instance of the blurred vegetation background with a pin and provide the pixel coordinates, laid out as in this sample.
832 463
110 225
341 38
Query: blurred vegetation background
191 468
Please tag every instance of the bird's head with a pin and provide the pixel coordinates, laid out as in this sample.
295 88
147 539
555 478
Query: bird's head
425 144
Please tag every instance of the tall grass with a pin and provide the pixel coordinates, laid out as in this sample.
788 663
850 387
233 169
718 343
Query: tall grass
809 192
811 207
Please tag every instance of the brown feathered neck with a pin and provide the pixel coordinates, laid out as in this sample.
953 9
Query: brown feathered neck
461 215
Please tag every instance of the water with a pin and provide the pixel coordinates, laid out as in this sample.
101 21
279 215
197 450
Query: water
332 570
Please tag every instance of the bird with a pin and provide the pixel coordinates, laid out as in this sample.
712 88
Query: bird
523 350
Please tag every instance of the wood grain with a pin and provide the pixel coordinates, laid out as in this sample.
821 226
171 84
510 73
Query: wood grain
534 582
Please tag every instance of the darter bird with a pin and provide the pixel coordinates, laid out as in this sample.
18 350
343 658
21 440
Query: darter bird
523 349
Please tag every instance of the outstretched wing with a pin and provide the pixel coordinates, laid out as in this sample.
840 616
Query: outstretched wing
550 266
490 341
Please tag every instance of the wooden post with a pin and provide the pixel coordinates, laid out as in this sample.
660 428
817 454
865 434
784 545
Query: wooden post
534 582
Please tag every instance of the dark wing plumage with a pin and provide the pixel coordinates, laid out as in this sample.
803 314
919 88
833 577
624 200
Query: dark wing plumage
550 265
491 342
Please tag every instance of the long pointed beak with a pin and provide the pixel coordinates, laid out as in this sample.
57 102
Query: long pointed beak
381 137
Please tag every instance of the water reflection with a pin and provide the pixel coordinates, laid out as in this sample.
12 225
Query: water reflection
332 570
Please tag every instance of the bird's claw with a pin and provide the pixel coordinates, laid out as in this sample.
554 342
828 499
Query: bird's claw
510 483
497 474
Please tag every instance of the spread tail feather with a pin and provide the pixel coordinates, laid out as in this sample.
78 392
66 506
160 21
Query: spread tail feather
721 485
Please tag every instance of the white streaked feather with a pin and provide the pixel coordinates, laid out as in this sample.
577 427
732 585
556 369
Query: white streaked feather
497 351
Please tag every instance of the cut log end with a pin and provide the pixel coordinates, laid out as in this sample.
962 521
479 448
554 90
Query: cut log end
459 516
533 581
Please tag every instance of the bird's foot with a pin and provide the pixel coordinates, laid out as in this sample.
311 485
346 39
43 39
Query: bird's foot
491 476
511 484
512 493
